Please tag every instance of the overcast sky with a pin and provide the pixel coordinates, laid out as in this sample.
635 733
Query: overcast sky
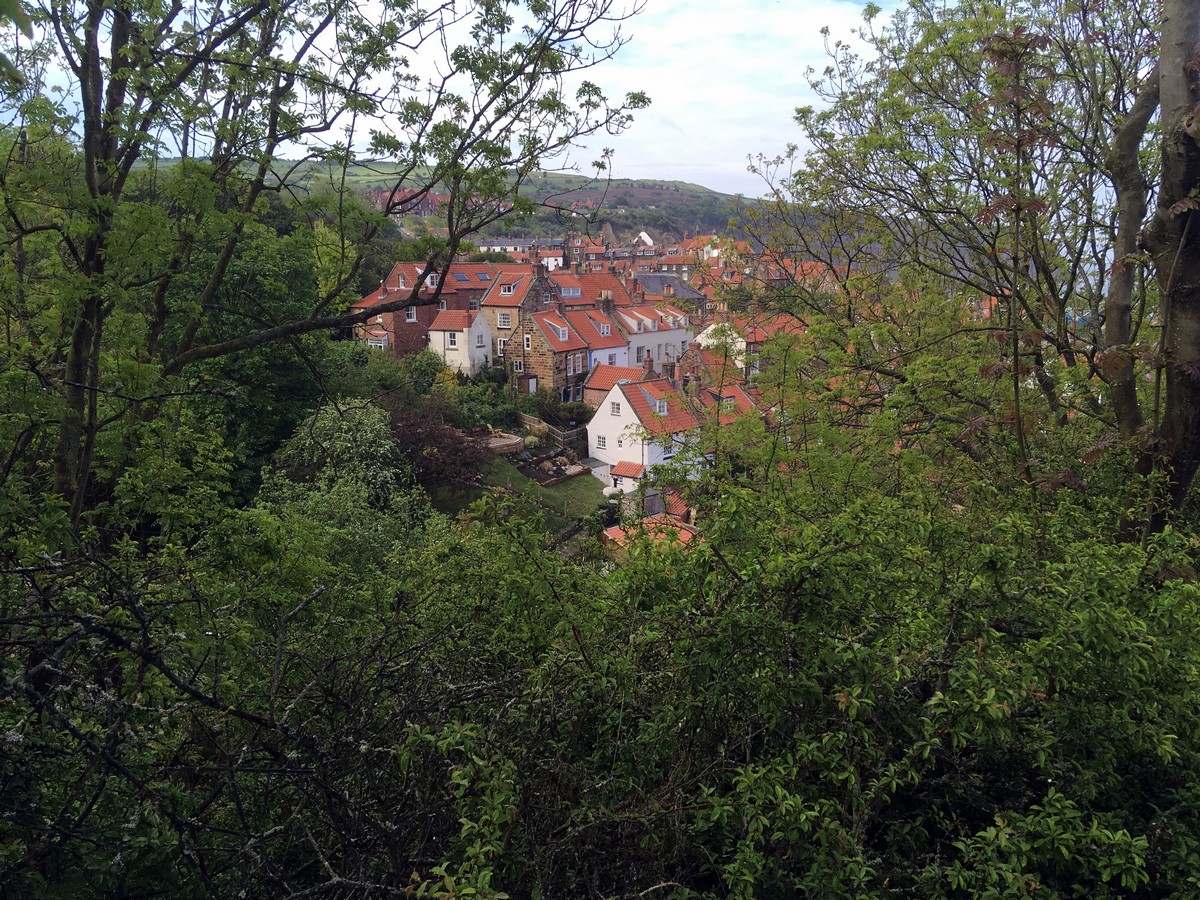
724 77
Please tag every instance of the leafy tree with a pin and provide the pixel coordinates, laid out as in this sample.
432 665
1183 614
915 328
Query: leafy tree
237 90
493 256
999 160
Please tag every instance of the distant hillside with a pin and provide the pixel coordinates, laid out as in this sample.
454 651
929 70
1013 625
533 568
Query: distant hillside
664 209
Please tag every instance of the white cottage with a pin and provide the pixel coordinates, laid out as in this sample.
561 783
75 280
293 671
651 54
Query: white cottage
639 425
462 338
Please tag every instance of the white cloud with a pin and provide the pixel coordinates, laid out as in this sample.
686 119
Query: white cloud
724 80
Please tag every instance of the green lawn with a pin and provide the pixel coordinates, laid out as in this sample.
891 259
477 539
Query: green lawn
562 503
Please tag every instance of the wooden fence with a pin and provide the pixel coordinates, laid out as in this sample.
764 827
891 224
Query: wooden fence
561 437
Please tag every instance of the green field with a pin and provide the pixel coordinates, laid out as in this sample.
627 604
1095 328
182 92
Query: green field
562 503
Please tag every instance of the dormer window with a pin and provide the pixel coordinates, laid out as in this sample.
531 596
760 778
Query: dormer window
432 280
562 333
605 330
572 292
660 406
506 290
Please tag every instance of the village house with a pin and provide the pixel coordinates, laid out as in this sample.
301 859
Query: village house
403 331
742 337
660 332
658 528
462 338
533 335
670 289
639 425
606 345
603 376
581 252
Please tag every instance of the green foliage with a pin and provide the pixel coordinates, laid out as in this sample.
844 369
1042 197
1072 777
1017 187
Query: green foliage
548 407
908 651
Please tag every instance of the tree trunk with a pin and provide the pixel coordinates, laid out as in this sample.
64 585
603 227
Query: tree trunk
1173 238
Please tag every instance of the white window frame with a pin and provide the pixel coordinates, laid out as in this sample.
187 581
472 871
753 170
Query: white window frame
452 339
518 366
410 314
528 342
506 290
601 442
605 329
614 408
612 359
504 320
479 340
500 344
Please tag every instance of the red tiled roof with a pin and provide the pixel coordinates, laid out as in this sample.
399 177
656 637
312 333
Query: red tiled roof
759 328
453 320
675 505
590 285
657 528
520 283
660 313
587 323
731 402
550 323
604 376
402 278
626 469
388 292
642 398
